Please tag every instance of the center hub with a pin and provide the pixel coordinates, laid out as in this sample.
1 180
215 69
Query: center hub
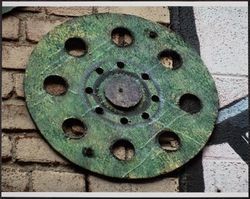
123 91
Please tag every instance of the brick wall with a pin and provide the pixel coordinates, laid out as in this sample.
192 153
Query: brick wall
29 163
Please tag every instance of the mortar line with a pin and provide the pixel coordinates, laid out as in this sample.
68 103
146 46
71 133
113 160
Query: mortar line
86 179
30 185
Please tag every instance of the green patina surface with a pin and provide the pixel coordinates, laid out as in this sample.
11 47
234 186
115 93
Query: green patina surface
49 112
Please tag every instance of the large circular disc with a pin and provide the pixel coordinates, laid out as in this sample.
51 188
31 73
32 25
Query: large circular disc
163 103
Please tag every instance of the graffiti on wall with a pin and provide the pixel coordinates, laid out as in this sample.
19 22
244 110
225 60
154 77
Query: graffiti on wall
223 164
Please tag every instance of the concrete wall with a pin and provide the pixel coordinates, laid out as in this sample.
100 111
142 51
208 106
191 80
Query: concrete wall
30 164
223 38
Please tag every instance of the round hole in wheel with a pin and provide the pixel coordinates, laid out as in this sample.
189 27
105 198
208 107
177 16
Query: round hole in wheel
169 141
89 90
120 65
145 115
74 128
55 85
76 47
145 76
155 98
190 103
122 37
153 34
123 150
124 120
170 59
112 103
99 110
99 71
88 152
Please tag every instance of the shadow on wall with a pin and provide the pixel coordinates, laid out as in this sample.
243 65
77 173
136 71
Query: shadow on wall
222 166
7 9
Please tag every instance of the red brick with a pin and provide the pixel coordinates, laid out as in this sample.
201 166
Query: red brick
69 11
34 149
14 180
15 57
10 27
16 116
36 28
50 181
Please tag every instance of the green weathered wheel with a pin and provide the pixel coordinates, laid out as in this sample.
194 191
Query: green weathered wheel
104 81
